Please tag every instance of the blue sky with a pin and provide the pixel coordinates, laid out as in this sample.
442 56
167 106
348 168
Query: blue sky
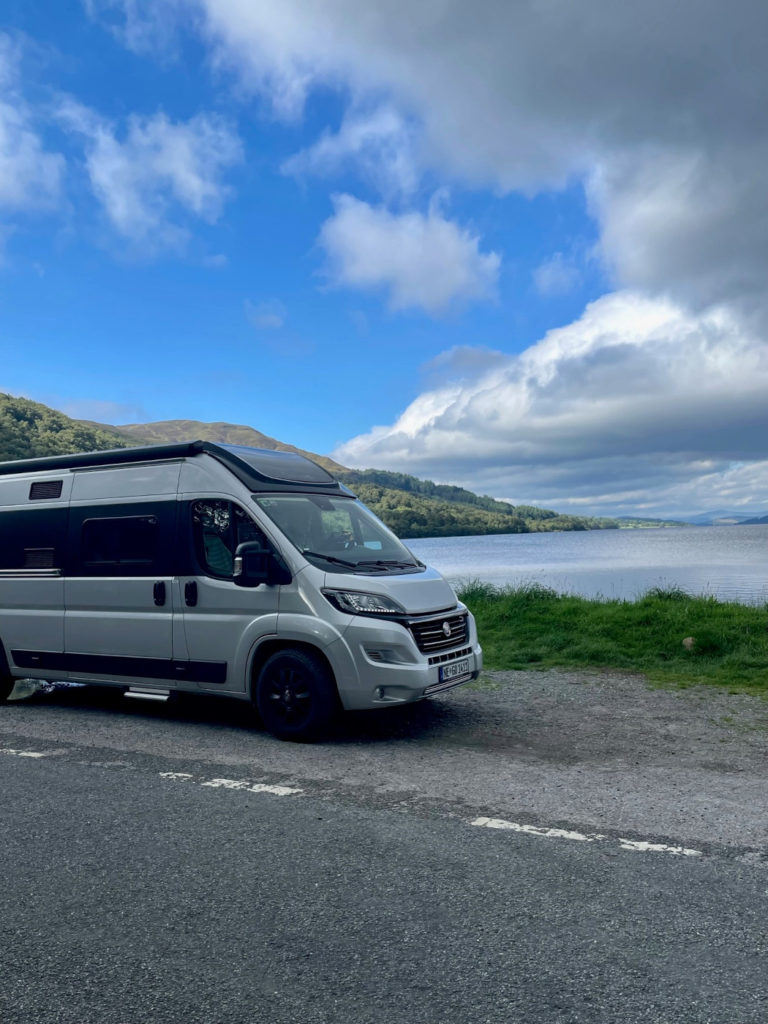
501 250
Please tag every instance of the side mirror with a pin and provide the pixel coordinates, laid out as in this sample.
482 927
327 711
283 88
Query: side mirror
255 564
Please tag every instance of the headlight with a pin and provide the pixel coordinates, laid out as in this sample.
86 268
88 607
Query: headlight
354 603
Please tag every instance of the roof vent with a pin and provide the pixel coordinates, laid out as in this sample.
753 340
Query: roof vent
45 489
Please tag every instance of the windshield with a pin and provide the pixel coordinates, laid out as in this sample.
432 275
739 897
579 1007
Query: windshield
338 534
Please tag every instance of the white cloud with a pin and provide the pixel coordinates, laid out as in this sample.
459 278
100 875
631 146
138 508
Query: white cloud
265 316
100 410
143 26
157 171
422 260
216 261
636 397
380 143
556 276
30 175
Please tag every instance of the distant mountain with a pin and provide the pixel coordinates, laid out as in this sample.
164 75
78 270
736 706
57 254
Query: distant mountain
757 521
720 517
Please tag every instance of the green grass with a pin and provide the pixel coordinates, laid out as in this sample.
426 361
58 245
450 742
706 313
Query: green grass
534 627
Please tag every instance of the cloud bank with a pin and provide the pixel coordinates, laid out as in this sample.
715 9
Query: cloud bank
636 406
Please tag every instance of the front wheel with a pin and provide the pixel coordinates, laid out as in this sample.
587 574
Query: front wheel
295 695
6 685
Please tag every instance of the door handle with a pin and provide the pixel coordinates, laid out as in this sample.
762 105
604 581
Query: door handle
190 593
158 592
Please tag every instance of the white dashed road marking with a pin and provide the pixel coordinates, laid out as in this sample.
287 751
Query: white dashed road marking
678 851
561 833
245 785
532 830
251 787
22 753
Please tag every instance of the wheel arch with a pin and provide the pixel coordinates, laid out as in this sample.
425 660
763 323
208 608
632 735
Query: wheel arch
271 646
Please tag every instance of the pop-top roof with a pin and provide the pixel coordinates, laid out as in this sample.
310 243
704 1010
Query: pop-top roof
258 468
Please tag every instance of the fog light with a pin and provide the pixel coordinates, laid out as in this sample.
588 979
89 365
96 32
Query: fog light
378 693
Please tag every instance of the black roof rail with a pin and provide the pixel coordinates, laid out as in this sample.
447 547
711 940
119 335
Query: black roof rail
109 457
260 469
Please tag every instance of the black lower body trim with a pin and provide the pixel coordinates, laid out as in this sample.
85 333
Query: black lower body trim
131 668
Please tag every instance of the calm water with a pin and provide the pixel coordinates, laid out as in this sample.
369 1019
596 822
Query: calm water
728 562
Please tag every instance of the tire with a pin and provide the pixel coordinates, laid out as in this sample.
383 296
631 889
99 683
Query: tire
295 695
7 681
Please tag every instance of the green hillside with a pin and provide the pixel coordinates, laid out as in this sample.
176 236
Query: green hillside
409 506
29 430
412 515
421 508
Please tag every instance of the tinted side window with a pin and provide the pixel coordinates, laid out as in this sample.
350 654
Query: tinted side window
130 539
218 526
126 541
32 538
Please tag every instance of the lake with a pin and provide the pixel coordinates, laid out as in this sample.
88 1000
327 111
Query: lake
728 562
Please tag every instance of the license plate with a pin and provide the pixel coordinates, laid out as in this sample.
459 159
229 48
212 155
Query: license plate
454 670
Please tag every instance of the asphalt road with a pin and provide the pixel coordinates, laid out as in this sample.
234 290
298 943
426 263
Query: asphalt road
174 863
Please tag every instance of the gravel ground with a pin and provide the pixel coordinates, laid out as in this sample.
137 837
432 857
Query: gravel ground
578 717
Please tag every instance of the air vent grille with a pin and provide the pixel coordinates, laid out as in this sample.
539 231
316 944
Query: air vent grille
39 558
45 489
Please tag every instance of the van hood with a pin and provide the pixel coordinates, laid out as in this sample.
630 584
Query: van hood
418 593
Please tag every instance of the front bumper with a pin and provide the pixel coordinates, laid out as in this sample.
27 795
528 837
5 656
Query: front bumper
382 664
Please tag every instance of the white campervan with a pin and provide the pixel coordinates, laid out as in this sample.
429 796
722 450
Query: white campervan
219 569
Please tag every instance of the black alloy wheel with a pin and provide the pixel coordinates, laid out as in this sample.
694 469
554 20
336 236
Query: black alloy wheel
295 695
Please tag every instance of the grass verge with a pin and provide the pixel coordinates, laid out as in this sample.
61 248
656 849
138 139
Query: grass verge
726 644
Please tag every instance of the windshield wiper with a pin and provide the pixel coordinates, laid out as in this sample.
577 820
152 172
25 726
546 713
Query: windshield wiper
391 561
329 558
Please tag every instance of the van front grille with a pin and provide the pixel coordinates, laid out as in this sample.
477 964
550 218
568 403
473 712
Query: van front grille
439 634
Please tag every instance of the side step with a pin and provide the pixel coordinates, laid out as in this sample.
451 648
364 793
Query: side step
147 693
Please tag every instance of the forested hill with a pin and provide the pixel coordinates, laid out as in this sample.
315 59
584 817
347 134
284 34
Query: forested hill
409 506
421 508
29 430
